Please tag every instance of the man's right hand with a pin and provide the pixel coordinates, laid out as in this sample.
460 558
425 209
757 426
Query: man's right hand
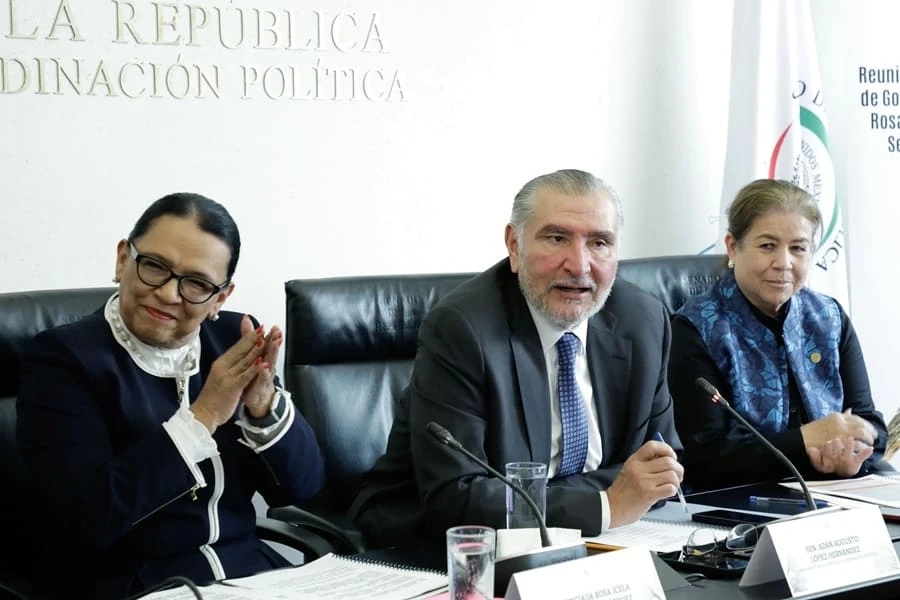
650 474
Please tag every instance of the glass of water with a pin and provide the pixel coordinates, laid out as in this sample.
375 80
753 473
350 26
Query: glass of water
532 478
470 562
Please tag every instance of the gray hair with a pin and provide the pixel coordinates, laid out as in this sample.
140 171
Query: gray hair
569 182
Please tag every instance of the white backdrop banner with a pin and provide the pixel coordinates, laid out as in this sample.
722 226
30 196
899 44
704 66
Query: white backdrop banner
777 126
861 67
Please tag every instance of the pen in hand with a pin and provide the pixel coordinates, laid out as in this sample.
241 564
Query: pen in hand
659 438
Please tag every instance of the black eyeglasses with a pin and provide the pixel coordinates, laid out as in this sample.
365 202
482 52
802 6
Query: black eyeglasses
154 273
739 541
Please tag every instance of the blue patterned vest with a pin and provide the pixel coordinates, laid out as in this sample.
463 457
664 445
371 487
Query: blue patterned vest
750 357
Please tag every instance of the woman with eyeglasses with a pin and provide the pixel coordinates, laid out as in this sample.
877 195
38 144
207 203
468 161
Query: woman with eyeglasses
150 424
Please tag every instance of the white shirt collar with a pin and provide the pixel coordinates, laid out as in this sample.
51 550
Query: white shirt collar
550 333
161 362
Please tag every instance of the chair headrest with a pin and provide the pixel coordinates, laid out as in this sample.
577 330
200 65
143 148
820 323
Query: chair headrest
357 318
25 314
673 279
350 319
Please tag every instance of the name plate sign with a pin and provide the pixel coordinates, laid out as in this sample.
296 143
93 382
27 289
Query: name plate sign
626 574
821 551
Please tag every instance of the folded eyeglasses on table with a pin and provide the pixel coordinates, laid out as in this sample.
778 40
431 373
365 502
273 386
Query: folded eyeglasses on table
709 552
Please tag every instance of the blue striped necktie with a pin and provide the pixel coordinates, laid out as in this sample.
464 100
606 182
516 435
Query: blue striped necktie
571 409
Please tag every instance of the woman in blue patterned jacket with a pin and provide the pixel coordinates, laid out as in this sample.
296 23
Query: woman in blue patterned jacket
149 425
786 356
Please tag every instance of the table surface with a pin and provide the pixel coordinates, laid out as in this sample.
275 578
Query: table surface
738 498
717 589
735 498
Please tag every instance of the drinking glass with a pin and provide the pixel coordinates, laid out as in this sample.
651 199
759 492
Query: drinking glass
470 562
531 477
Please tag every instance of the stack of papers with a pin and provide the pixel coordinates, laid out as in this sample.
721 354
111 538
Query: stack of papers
874 489
326 578
663 530
660 536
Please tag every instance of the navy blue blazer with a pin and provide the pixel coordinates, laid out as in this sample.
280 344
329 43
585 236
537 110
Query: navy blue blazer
480 372
90 430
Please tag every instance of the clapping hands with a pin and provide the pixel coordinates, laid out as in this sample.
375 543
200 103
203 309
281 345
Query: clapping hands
244 373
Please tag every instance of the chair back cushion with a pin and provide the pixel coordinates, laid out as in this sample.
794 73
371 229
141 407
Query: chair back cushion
350 345
673 279
349 349
22 316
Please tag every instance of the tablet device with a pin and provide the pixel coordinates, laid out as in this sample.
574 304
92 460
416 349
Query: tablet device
730 518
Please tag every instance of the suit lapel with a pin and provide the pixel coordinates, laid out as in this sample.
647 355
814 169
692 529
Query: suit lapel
609 363
531 373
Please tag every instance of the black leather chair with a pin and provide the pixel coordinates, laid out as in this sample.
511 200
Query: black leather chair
22 316
349 350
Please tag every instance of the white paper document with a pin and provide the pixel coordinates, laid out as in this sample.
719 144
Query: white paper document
517 541
335 577
875 489
663 530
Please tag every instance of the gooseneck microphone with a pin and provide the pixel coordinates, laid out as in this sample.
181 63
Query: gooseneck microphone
445 437
717 398
506 567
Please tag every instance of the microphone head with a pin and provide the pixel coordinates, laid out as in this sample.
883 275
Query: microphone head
714 394
706 386
439 433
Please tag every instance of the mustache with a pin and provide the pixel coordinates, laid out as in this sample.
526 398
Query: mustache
574 283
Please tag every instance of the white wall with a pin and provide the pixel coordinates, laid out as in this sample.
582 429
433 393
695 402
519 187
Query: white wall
851 35
493 93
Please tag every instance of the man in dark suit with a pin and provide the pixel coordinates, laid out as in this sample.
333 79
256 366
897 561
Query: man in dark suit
540 358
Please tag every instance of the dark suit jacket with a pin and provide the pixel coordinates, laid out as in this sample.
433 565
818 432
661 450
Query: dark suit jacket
119 498
480 372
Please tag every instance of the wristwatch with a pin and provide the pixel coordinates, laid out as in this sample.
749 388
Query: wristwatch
276 410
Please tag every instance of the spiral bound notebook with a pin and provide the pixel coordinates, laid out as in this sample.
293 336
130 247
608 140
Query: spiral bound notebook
333 577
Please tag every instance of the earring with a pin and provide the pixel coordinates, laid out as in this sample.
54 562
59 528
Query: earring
730 264
213 317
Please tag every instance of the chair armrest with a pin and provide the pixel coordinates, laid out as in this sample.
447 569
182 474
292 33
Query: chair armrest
10 592
342 539
299 538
